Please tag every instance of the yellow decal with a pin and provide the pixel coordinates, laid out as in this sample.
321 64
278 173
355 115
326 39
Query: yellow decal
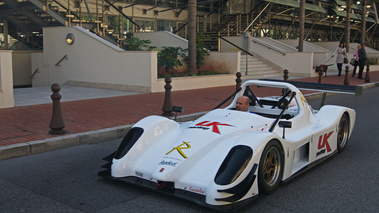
179 149
303 99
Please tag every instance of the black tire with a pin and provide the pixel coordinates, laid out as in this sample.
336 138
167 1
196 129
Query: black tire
270 168
343 132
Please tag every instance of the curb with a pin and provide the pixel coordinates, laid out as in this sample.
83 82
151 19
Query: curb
60 142
101 135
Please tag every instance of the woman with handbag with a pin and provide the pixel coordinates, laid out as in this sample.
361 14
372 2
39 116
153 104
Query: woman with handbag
356 57
341 57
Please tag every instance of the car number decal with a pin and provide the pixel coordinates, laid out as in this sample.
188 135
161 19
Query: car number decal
179 149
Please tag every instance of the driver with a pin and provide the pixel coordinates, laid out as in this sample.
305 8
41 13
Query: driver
242 103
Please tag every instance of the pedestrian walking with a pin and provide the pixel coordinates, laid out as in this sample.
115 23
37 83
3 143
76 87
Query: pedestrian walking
341 55
362 60
356 63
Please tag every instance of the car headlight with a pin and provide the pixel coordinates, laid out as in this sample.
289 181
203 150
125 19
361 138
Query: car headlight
234 164
129 140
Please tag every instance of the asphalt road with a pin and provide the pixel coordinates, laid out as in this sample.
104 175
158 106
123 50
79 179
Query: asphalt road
66 180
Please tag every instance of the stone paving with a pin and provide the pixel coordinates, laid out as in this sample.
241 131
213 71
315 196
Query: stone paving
28 123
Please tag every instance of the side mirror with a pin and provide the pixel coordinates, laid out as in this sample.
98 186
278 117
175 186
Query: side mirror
284 125
177 109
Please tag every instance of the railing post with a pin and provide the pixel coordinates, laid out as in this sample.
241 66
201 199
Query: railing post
367 78
346 81
247 64
238 80
285 76
167 104
219 41
56 123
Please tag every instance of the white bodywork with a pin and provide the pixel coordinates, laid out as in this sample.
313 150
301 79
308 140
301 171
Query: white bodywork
190 154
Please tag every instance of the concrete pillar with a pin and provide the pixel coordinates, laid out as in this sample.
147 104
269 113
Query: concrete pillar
6 79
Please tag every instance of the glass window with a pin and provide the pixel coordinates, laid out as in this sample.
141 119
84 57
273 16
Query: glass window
166 25
145 25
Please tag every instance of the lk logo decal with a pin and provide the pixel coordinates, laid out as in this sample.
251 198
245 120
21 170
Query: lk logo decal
323 142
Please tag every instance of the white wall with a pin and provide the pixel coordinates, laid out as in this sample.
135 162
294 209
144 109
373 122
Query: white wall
308 46
6 79
237 40
300 64
92 61
296 63
163 38
41 78
196 82
21 63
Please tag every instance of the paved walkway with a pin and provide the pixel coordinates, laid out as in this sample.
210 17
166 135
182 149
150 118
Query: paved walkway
24 129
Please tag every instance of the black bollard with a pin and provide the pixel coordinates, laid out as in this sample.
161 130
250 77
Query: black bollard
346 81
286 76
320 73
238 80
56 123
167 105
367 78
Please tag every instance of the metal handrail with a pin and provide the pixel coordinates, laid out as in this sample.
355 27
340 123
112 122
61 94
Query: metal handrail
269 47
237 46
247 53
64 7
283 44
34 73
180 28
63 58
256 17
122 13
227 23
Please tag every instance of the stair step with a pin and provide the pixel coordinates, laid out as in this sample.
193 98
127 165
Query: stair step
256 68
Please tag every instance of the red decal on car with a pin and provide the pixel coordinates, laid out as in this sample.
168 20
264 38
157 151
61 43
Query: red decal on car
323 141
213 124
196 190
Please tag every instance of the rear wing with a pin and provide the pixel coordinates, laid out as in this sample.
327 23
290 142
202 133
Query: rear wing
325 88
335 88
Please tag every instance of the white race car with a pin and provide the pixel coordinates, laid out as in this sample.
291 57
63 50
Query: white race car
227 157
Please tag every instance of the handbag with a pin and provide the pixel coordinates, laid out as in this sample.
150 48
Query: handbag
352 61
345 60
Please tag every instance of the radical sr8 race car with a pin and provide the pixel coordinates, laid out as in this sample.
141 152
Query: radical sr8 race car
227 157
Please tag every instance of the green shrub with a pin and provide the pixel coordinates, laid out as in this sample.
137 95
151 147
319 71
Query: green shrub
168 57
211 68
137 44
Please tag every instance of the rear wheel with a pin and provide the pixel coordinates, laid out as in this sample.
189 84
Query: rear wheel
270 167
343 132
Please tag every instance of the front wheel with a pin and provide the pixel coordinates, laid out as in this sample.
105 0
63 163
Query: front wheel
270 167
343 132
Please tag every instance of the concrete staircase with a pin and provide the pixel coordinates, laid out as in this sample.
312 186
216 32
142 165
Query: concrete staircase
257 69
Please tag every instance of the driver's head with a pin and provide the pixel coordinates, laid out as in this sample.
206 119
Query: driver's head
242 103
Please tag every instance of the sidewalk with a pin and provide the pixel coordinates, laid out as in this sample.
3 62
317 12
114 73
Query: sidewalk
24 129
